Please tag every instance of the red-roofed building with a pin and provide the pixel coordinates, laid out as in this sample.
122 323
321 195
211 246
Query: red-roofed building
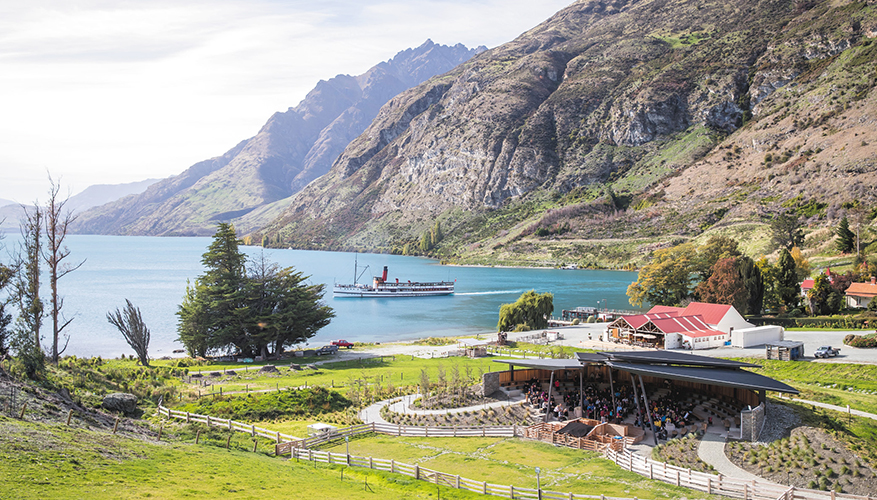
860 294
697 326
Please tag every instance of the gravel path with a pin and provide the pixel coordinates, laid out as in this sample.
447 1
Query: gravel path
403 405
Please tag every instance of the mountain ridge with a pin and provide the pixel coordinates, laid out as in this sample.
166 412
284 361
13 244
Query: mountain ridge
644 119
288 152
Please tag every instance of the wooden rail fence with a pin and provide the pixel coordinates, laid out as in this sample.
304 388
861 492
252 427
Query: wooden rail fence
440 478
713 484
718 484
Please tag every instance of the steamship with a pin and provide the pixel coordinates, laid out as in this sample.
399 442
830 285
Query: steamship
380 287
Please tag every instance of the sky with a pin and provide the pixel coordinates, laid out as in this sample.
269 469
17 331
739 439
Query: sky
108 92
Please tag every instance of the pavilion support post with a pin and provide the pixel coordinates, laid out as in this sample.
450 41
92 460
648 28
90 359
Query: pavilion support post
581 389
762 396
648 412
612 390
550 386
636 398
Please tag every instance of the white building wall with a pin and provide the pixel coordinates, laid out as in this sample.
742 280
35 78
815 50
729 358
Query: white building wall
732 319
706 342
672 341
759 335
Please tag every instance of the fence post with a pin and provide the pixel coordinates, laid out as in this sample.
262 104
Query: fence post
512 492
229 424
187 417
278 436
458 482
392 465
371 463
69 414
484 487
651 470
253 429
709 485
416 472
745 491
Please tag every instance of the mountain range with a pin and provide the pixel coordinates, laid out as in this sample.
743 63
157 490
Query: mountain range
611 129
92 196
250 184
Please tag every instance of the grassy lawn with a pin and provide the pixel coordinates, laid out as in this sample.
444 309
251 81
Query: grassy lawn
834 383
512 461
39 461
403 371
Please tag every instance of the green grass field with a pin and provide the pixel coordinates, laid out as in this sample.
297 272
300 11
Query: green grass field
512 461
833 383
39 461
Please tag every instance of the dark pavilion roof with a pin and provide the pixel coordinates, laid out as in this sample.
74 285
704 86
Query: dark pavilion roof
672 357
666 364
707 375
544 364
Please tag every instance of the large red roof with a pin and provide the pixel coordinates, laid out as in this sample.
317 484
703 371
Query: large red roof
638 320
666 309
712 313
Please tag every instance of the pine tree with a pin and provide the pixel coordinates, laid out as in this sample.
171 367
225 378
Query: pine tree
846 239
788 288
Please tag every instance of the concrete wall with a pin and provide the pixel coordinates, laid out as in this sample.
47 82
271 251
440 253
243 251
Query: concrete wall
489 383
751 423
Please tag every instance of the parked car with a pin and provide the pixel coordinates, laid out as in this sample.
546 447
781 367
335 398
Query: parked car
826 351
343 343
327 349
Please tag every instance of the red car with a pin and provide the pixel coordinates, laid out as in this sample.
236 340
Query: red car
343 343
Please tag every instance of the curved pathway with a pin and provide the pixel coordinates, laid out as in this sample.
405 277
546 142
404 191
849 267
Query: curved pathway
841 409
403 405
712 451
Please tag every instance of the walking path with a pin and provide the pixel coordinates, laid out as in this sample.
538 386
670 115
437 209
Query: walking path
842 409
712 451
403 405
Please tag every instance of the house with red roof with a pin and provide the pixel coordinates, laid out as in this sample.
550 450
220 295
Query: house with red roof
696 326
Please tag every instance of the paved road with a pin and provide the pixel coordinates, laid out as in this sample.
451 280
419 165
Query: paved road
587 335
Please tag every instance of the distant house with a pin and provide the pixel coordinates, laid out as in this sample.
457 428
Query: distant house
860 294
697 326
807 284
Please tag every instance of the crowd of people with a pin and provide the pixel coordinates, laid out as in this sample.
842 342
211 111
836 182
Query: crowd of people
596 401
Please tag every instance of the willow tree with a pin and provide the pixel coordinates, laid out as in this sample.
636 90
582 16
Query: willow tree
531 311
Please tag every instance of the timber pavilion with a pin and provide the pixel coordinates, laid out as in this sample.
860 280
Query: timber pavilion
647 387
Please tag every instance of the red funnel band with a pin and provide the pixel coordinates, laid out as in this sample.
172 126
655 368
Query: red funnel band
384 276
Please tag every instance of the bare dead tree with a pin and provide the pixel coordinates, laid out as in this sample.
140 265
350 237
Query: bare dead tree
57 220
131 324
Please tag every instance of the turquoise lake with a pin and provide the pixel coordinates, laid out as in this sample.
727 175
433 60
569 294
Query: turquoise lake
152 273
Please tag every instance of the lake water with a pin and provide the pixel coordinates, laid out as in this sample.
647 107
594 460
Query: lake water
152 273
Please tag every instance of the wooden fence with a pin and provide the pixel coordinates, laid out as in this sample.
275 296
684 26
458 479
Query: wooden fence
440 478
398 430
719 484
226 423
708 483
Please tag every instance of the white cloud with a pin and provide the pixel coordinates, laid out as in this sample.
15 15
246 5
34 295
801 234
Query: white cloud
119 91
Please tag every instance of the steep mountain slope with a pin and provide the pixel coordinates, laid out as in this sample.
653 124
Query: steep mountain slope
291 149
632 119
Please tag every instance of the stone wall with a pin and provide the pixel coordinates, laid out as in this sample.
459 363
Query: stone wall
489 383
751 423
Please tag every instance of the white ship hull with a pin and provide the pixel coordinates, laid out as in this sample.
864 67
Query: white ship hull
394 290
